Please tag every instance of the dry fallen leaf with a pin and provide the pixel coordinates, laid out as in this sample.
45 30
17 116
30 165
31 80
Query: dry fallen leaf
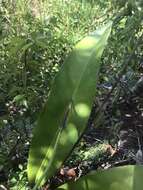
70 173
111 150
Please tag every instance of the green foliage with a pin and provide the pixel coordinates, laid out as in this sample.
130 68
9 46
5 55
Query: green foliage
35 38
126 177
68 107
18 180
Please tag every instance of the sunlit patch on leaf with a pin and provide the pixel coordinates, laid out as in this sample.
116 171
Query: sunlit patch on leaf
88 43
82 110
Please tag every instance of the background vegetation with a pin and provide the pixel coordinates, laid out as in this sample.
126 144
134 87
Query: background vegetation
35 38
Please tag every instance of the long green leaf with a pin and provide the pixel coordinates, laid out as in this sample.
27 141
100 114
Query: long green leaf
121 178
69 105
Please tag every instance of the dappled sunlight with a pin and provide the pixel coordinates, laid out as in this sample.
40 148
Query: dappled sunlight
70 134
33 163
87 43
82 110
44 164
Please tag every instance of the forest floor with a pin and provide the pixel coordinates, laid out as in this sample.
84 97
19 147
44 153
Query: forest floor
113 139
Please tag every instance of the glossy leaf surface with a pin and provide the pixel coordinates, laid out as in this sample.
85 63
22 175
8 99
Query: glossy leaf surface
69 105
121 178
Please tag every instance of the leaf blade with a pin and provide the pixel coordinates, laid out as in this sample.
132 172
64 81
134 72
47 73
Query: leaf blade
120 178
70 85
